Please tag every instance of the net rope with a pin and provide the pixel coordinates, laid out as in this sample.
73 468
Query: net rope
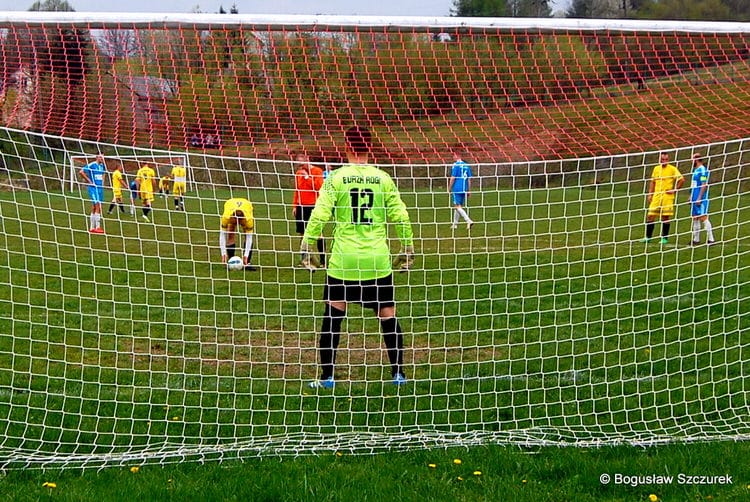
547 323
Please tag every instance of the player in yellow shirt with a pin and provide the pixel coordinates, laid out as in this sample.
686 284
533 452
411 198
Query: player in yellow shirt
179 187
164 183
236 217
118 183
144 180
662 189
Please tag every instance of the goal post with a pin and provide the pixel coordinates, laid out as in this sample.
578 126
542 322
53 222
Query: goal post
534 314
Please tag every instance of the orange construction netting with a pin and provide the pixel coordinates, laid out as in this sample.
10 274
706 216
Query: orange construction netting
504 93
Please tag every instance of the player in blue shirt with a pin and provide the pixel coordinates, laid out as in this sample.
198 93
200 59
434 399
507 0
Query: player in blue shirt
699 201
93 176
459 186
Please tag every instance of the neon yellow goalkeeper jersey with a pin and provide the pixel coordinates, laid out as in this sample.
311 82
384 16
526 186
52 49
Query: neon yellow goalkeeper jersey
362 201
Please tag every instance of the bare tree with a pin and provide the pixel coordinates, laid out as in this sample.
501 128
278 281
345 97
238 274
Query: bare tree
117 43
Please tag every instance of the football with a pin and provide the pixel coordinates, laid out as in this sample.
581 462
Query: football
235 263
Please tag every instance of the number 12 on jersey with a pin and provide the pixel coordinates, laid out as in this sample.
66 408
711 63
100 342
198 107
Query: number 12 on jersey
362 200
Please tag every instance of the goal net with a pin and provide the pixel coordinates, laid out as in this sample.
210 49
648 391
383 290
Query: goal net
547 322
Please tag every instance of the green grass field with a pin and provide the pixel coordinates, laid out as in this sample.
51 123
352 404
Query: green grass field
549 325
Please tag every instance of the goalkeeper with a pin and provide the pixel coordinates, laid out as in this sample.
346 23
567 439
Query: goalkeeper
362 199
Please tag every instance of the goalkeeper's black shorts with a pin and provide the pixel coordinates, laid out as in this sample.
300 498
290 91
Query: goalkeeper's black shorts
303 216
372 294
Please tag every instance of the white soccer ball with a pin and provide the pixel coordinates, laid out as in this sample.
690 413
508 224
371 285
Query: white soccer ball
235 263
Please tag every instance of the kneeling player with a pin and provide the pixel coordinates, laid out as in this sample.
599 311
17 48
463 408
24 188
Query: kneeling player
237 216
164 183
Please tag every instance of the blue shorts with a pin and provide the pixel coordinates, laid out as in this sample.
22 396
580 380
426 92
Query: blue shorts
96 194
459 199
699 210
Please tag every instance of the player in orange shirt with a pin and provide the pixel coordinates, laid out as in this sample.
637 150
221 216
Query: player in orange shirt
308 180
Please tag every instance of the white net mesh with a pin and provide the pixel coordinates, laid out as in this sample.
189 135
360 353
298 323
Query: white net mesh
547 322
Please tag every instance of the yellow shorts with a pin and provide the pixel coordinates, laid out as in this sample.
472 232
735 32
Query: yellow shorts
147 195
117 193
662 204
178 189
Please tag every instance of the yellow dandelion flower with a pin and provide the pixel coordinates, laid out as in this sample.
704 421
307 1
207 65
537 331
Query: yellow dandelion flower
457 461
653 498
48 484
175 419
135 469
460 478
477 473
339 454
523 481
431 466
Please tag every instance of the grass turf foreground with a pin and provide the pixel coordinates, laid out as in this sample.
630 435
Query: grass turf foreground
544 264
481 473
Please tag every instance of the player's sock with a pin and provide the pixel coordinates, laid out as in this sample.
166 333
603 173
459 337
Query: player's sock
111 207
461 211
92 221
322 250
696 230
122 207
230 249
97 220
456 216
665 228
709 230
330 334
650 230
146 210
394 344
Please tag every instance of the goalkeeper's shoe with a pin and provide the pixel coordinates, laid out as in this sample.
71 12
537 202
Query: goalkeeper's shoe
328 383
399 379
663 241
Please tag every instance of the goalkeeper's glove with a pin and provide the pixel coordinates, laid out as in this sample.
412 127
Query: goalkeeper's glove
405 259
309 260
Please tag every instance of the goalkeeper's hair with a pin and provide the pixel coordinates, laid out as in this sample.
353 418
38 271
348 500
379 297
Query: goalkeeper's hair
359 139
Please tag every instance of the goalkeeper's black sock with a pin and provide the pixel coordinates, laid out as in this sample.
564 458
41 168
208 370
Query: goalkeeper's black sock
322 250
665 228
394 344
650 230
111 207
146 210
122 207
230 250
330 334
